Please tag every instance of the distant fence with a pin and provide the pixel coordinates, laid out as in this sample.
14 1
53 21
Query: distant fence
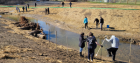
108 1
118 1
99 1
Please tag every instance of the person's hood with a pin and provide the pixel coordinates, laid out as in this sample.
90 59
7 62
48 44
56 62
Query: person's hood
113 36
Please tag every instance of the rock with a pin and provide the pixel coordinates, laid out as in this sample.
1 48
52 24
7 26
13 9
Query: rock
41 36
40 54
29 49
33 57
47 58
138 43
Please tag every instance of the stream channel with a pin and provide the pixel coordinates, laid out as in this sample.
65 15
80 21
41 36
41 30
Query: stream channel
73 41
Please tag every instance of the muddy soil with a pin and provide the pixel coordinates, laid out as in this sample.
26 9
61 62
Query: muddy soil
16 46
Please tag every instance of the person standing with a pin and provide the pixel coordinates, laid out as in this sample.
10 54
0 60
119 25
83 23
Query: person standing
114 46
17 9
81 43
63 4
23 8
35 4
97 22
101 23
70 4
86 22
92 44
48 11
28 6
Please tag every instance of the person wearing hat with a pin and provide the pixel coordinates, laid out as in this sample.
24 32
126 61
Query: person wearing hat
114 46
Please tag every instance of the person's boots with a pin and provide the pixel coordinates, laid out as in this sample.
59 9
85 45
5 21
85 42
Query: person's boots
81 54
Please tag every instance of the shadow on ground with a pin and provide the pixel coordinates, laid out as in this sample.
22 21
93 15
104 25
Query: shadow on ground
107 29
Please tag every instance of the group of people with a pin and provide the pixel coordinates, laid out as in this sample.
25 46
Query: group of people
92 44
97 22
18 10
47 11
24 8
64 4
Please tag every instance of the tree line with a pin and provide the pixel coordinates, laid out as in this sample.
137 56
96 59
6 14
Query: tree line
11 2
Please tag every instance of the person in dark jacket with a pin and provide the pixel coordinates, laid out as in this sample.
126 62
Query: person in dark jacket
23 8
35 4
81 43
92 44
70 4
97 22
101 23
48 11
28 6
63 4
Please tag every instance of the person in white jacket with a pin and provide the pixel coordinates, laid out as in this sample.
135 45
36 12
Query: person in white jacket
114 46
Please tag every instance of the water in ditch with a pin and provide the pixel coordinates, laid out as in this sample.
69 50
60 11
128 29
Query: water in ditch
72 41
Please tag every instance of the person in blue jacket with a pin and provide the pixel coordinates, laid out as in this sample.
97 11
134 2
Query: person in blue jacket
17 9
86 22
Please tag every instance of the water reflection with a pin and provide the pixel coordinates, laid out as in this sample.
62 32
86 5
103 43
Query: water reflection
72 41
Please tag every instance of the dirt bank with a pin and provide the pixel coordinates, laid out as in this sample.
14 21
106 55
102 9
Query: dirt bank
17 46
123 23
66 18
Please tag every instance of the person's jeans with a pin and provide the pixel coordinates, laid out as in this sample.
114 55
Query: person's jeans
97 25
113 50
81 49
91 53
101 25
